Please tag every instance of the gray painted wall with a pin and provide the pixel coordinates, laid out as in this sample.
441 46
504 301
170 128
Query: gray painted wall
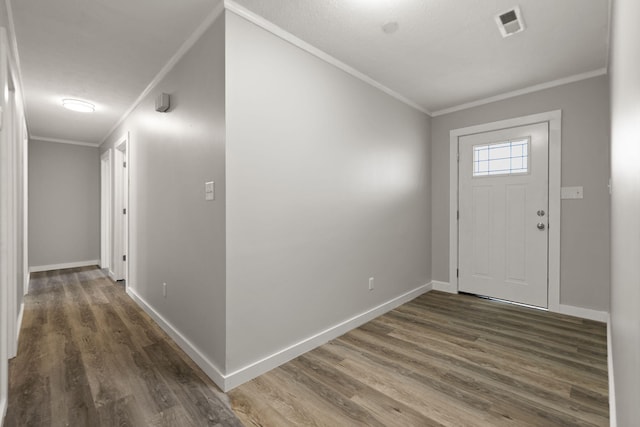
175 235
64 203
584 251
327 185
625 209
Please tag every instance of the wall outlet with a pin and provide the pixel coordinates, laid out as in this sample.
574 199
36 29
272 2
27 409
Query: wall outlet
164 290
371 283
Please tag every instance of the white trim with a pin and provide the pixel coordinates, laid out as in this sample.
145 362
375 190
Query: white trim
106 181
196 355
25 210
530 89
276 359
444 287
554 118
188 44
3 409
63 141
584 313
6 227
288 37
62 266
613 421
18 328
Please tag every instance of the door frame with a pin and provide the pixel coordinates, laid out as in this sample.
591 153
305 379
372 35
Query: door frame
106 168
554 118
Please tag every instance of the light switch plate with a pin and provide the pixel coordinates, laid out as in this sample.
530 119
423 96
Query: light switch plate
209 190
571 193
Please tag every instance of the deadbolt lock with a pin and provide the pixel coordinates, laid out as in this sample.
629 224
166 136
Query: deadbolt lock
540 212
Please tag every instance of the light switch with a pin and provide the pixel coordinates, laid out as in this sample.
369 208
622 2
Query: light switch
571 193
209 190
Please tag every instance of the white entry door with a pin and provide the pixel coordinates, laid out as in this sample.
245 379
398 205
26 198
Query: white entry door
503 204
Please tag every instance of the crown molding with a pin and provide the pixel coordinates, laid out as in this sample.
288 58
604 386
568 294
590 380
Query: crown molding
63 141
524 91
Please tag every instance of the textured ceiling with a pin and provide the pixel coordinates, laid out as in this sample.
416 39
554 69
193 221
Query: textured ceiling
444 53
104 51
449 52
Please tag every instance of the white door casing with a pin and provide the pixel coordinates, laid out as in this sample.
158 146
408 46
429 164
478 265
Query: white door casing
105 209
503 215
554 118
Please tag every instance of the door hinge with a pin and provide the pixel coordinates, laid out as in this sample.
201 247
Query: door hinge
458 214
458 156
457 272
124 257
124 164
124 211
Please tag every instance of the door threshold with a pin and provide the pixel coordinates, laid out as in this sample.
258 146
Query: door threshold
505 301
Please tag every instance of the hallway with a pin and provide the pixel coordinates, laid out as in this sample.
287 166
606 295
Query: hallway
88 356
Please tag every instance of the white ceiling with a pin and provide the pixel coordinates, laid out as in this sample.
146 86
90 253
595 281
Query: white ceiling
445 52
450 52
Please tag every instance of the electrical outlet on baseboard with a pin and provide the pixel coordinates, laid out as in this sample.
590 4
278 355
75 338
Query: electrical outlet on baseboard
371 283
164 290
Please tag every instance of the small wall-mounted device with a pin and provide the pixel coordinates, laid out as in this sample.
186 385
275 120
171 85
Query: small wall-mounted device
162 103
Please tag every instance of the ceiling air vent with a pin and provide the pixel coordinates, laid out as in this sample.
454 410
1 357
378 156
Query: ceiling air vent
510 22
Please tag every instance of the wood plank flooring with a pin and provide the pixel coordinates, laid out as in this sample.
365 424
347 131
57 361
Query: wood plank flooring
442 360
89 356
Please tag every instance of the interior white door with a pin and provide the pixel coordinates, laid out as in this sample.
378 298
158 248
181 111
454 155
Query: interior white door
503 202
120 222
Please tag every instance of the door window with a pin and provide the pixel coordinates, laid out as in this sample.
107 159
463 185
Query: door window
501 158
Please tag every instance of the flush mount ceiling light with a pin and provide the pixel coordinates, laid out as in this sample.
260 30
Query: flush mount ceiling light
77 105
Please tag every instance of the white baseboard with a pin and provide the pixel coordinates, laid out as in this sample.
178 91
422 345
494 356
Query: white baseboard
196 355
18 329
26 283
111 275
3 409
259 367
444 287
613 422
585 313
50 267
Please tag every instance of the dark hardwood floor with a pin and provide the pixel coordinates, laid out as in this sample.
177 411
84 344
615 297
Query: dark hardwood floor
88 356
442 360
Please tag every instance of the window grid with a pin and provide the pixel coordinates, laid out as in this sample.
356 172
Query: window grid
502 158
